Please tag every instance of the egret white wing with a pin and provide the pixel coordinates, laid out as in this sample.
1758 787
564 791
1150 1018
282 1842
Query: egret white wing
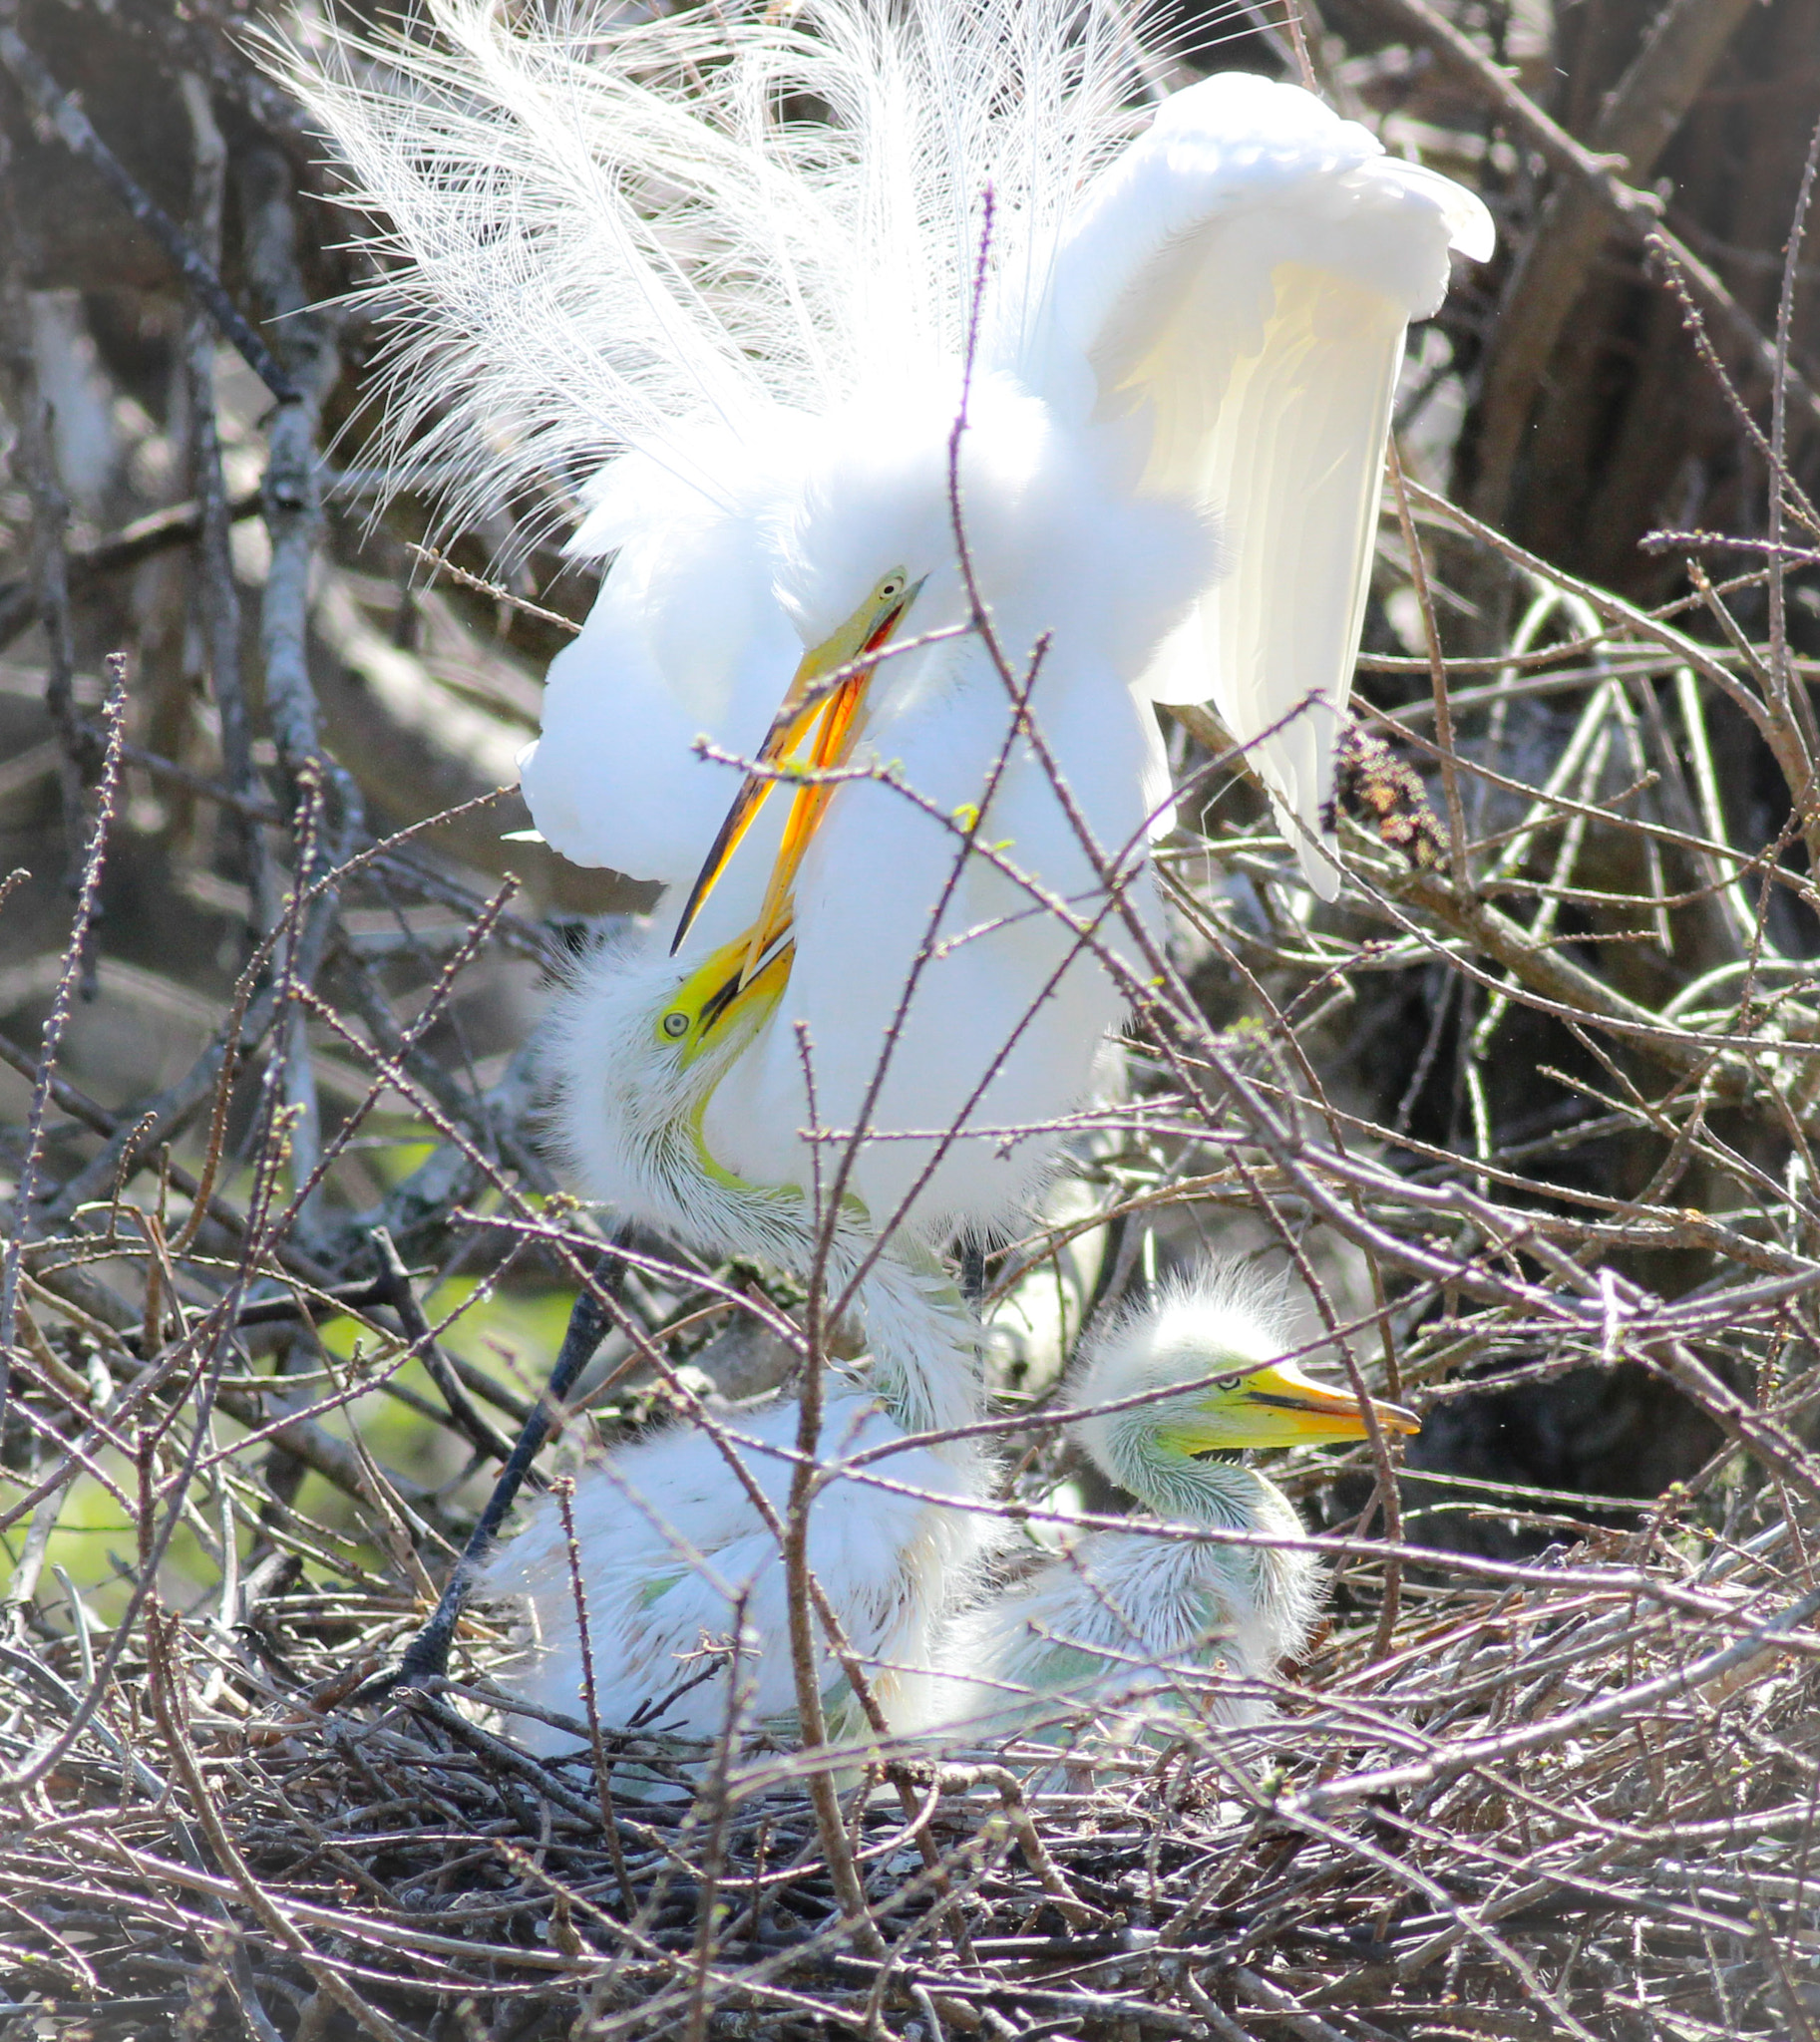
1235 290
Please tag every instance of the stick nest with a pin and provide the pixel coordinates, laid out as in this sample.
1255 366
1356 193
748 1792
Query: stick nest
1581 1801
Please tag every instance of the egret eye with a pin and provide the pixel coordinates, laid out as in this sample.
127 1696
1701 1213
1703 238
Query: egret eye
1228 1382
675 1025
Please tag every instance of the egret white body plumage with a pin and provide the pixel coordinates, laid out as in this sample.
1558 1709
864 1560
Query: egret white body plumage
1146 1623
752 342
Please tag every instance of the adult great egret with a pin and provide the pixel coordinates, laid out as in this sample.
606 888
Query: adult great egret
1131 1617
828 427
629 259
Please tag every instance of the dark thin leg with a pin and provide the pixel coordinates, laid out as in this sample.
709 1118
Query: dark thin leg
427 1655
974 1271
1111 1256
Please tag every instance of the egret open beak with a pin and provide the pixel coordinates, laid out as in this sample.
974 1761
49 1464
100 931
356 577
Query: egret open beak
813 732
725 994
1278 1406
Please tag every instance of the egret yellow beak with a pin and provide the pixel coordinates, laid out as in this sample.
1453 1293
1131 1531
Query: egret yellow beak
813 732
722 995
1279 1407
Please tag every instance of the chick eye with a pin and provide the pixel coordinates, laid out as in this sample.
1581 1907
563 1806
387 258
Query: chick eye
676 1024
892 585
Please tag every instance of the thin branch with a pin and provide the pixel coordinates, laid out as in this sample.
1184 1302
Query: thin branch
106 793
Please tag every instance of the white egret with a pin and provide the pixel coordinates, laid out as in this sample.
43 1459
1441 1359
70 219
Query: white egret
1138 1621
630 260
640 1047
671 1546
679 1564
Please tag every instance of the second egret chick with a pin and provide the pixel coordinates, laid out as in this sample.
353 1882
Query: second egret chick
1132 1619
685 1583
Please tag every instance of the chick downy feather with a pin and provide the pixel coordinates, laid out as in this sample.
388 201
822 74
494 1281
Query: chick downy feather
1129 1623
674 1554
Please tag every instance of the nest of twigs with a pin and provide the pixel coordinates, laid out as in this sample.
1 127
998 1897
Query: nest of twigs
1576 1798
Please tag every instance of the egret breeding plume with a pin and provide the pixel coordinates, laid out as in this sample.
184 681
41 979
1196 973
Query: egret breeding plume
1133 1618
850 327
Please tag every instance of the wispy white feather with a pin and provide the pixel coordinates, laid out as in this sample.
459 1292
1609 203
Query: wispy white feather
603 232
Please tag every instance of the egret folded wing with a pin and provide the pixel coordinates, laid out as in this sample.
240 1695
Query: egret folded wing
1237 285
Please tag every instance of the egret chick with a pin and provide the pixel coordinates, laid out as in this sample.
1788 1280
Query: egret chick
673 1546
679 1566
1133 1618
639 1045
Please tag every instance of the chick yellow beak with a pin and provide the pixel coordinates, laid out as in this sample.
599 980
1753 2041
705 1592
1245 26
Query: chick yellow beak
722 996
814 731
1278 1406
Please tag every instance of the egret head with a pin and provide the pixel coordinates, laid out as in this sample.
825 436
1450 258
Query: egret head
717 1009
1221 1341
863 523
874 496
861 531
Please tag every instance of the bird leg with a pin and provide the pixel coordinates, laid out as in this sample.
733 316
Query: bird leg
427 1655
